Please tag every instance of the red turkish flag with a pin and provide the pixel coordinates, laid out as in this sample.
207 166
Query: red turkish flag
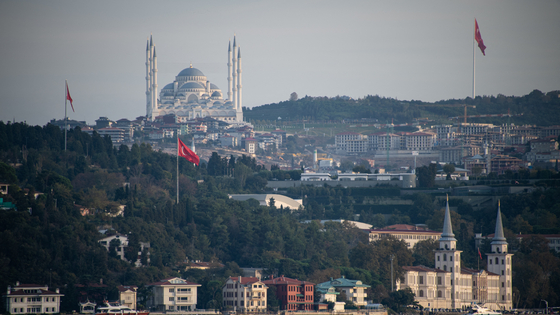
187 153
479 254
68 97
478 37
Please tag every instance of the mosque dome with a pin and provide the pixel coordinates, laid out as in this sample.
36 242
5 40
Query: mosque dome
168 87
214 86
191 72
191 85
216 94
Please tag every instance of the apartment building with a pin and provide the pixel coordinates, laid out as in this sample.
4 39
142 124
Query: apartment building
173 294
293 294
32 299
244 294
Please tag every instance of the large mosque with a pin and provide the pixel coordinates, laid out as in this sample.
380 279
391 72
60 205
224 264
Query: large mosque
191 95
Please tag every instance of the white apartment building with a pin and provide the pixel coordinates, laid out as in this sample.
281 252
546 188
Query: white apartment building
410 234
173 294
122 244
345 141
419 141
245 294
32 299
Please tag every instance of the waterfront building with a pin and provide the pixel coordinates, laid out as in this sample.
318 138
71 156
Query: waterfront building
293 294
452 286
173 294
32 299
245 294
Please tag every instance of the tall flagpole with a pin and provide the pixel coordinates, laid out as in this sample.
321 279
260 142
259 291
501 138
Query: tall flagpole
177 169
65 107
473 62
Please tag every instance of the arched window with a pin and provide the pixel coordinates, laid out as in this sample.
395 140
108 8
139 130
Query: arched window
444 257
421 293
444 268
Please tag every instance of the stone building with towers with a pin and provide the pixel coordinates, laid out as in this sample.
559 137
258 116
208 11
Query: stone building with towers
452 286
191 95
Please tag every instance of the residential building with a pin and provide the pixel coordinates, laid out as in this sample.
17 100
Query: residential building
350 142
32 299
354 290
173 294
127 295
458 153
499 164
228 141
120 242
452 286
244 294
251 145
410 234
293 294
419 141
116 134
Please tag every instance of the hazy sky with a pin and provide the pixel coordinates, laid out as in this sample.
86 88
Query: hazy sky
420 50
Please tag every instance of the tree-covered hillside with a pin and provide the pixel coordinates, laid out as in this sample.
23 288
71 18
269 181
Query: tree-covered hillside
537 108
47 241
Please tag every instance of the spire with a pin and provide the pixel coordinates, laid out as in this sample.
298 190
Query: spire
154 52
499 233
234 45
147 44
447 234
151 43
239 52
229 46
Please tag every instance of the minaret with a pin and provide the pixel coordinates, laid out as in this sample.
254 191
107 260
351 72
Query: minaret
448 258
154 84
148 80
499 262
229 78
234 73
239 115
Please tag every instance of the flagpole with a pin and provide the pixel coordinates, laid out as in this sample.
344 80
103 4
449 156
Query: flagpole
474 63
65 107
177 170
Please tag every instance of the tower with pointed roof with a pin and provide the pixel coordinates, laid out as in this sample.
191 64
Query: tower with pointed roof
448 258
500 262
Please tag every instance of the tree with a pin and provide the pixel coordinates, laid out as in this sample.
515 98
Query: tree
448 169
426 175
293 97
400 299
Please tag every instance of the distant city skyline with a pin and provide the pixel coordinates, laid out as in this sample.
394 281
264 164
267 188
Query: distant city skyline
408 50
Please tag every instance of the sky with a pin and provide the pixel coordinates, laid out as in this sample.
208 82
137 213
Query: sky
403 49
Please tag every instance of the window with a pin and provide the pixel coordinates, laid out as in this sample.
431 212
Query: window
497 261
183 298
502 261
439 294
450 257
439 281
444 257
502 272
171 298
420 279
421 293
451 269
502 284
184 290
171 290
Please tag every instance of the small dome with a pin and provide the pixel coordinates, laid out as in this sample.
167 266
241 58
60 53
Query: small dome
216 94
168 87
214 86
191 72
192 85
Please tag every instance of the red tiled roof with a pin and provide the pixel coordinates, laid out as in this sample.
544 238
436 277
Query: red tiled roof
286 280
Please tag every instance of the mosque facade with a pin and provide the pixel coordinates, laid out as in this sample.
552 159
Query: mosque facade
452 286
191 95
